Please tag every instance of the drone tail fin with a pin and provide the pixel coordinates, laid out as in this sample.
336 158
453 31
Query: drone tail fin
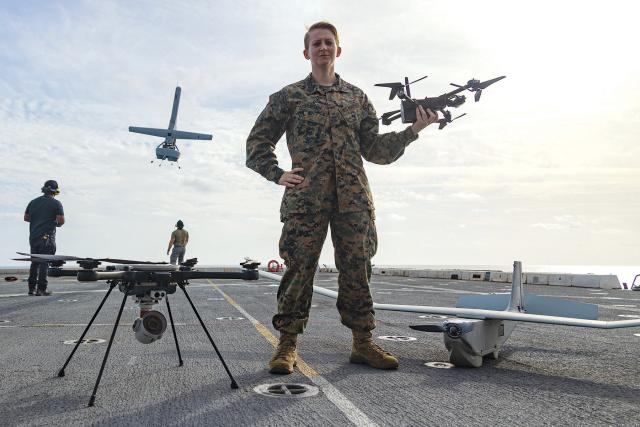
516 303
174 109
519 302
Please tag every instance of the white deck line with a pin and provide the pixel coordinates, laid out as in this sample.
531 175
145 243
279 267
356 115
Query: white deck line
334 395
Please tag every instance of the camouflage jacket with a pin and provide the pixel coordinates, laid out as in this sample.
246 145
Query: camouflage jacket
329 130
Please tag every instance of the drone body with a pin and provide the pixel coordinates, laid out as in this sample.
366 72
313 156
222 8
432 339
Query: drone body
168 150
436 104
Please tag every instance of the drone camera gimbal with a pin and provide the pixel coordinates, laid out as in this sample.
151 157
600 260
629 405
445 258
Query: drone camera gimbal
150 327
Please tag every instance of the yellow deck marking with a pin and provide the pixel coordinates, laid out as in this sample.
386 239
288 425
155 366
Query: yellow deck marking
302 366
355 415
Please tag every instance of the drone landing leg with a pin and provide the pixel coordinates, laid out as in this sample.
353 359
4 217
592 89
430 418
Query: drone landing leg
61 372
106 355
233 381
173 328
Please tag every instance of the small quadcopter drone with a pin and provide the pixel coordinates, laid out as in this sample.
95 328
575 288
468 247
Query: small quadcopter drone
147 282
440 103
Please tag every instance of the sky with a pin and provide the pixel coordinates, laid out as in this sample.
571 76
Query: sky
544 169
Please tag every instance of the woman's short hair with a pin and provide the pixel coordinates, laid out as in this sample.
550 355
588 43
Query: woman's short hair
324 25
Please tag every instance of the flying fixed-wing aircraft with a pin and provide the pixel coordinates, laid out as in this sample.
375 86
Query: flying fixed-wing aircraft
168 150
480 324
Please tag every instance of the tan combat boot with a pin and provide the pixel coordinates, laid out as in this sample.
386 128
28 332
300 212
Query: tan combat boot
365 351
284 358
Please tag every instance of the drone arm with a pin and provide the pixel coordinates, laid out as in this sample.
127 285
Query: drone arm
186 275
94 276
267 131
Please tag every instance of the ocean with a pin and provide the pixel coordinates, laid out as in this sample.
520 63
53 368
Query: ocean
625 273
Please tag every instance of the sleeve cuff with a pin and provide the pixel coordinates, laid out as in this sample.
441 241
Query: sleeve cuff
276 175
409 136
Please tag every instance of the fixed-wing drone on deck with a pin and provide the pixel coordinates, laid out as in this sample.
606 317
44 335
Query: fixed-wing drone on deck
440 103
168 150
480 324
148 283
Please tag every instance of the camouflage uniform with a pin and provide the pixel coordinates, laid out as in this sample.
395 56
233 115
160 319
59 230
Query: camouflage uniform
329 129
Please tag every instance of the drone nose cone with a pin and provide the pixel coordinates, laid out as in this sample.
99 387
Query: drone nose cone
453 331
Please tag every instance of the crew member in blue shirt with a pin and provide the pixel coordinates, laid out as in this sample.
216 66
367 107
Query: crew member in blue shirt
44 214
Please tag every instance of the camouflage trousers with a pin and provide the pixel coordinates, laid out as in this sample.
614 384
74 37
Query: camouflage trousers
355 243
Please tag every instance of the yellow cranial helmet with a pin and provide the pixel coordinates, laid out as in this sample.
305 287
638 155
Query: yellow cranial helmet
51 187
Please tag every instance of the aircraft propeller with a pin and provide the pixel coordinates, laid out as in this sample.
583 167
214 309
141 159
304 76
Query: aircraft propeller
397 87
45 257
476 86
428 328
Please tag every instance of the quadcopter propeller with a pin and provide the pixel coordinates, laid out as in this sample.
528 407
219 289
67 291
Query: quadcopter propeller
428 328
74 258
447 119
476 86
487 83
407 83
484 85
397 86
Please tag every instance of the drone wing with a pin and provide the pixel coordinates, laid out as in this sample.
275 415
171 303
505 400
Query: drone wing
166 133
478 313
509 315
475 313
163 133
178 134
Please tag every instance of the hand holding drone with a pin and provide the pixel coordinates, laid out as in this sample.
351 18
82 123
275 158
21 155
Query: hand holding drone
440 103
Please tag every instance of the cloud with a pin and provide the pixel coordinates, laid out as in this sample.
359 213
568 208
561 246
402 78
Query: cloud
549 226
396 217
533 158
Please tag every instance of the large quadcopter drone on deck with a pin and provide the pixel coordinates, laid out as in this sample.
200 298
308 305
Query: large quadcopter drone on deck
148 283
440 103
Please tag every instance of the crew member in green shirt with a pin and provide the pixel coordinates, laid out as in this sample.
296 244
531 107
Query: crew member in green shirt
179 240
